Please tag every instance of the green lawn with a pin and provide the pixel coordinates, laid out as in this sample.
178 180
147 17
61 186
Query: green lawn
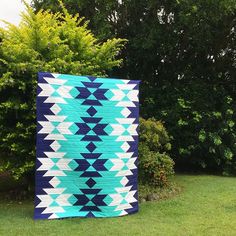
207 206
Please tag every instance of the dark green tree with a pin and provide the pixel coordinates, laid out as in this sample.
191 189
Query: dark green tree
184 53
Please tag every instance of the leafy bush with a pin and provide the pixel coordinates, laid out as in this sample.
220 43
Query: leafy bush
154 135
203 127
184 53
42 42
155 165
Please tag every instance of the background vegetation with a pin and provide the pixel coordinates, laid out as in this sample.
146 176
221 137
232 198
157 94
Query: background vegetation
182 50
42 42
155 163
184 53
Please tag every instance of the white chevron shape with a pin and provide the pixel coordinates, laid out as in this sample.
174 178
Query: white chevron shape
47 90
124 181
55 154
124 138
55 137
55 100
63 127
116 199
125 112
125 104
130 197
47 163
118 95
124 155
54 182
125 146
53 216
132 129
55 81
117 129
126 86
123 189
118 164
55 209
125 120
125 81
47 127
123 207
54 173
122 213
63 164
55 146
55 109
133 95
55 75
54 118
124 173
62 199
46 200
64 91
130 164
54 190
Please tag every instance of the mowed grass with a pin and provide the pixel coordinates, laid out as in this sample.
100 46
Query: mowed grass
207 206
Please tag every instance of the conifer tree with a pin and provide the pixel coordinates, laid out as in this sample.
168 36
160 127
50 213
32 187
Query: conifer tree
43 41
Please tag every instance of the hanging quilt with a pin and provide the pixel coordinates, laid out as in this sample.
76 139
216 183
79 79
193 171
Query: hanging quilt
87 146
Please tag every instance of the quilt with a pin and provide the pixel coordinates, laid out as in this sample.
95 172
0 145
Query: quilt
87 146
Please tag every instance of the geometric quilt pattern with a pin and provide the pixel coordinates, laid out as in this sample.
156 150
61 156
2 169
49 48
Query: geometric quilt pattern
87 146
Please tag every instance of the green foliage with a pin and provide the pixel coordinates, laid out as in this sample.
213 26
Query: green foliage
43 41
154 135
155 164
154 168
183 51
206 136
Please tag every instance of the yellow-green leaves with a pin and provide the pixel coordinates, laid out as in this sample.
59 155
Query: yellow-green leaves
43 41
